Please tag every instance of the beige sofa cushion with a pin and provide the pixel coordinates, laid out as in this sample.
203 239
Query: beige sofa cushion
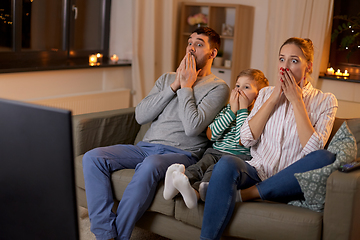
120 180
255 220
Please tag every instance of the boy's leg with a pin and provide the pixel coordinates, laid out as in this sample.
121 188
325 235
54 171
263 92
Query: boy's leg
196 171
140 192
207 175
169 189
98 164
283 186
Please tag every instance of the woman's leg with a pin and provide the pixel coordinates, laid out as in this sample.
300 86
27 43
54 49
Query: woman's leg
284 187
229 174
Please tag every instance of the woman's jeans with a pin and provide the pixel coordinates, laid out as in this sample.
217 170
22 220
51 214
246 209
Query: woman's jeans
202 170
150 162
232 173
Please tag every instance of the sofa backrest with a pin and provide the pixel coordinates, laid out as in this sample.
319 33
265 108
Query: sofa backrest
337 124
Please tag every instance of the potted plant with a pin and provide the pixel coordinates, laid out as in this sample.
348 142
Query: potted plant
218 61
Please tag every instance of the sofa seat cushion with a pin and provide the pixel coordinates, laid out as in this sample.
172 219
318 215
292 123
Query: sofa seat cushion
120 179
261 220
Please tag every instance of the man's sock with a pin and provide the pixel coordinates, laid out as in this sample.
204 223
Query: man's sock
202 190
238 196
169 190
181 183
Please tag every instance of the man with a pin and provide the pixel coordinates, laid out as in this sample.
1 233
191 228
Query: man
180 106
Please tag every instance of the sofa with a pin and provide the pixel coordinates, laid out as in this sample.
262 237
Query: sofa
251 220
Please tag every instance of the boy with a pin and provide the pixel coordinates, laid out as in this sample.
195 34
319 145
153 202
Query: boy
224 131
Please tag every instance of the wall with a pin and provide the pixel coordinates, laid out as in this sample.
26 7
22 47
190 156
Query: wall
37 86
347 94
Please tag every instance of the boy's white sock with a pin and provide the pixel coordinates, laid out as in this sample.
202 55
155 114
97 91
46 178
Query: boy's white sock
181 183
169 190
238 196
203 189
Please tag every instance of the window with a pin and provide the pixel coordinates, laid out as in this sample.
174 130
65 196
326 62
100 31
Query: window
339 58
39 33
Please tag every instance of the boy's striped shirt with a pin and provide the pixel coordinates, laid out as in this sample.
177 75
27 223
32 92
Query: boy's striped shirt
225 131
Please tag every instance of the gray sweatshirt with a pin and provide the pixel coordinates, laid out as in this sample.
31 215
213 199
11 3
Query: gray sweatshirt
180 119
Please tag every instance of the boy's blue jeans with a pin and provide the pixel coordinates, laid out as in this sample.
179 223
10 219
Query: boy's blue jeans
150 162
232 173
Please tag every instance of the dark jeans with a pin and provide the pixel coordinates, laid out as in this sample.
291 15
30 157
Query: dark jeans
202 170
231 174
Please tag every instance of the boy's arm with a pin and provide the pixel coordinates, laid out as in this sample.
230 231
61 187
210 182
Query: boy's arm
221 123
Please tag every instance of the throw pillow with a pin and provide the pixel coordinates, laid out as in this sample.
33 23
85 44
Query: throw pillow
313 183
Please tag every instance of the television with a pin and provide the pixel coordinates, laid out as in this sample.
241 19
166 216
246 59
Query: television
37 182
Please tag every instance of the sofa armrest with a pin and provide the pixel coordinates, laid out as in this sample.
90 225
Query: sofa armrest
103 129
342 206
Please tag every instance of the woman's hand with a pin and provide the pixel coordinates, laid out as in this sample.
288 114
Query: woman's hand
276 94
234 101
293 92
290 88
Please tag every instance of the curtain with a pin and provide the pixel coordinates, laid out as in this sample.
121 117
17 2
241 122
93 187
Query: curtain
293 18
154 32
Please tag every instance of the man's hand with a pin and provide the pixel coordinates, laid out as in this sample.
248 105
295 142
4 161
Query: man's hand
176 84
188 74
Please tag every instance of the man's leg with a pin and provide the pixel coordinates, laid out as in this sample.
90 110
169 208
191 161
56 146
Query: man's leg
98 164
140 192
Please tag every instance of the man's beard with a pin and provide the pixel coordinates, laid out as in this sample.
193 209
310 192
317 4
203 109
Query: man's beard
201 63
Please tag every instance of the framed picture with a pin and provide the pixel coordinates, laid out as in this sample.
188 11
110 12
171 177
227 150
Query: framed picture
227 30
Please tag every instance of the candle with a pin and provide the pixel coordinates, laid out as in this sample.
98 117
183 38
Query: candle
346 74
338 73
330 71
99 58
92 60
114 58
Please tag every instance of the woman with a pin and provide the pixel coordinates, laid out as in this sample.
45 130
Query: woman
288 125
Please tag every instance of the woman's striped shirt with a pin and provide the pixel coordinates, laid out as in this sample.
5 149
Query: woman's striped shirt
279 145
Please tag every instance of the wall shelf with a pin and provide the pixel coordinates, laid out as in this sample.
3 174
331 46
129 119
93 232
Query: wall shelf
235 47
